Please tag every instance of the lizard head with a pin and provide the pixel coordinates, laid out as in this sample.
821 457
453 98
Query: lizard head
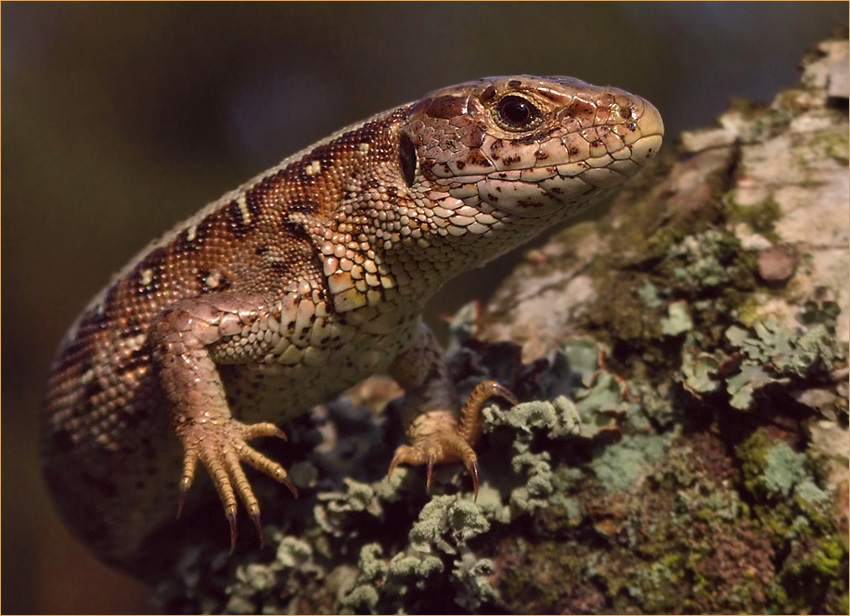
507 157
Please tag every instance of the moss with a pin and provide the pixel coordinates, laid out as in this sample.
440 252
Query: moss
813 577
834 145
761 218
796 513
753 454
619 312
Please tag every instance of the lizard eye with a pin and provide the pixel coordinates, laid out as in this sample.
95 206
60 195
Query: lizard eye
516 113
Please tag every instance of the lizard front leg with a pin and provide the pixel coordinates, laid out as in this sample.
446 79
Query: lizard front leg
184 341
438 431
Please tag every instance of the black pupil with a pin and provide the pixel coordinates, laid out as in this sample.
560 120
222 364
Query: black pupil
516 111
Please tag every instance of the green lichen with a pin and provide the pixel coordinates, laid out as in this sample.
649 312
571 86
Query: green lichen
446 523
795 352
786 466
444 527
362 600
334 507
559 416
775 353
470 578
699 369
706 261
678 320
784 469
768 353
293 552
619 468
649 295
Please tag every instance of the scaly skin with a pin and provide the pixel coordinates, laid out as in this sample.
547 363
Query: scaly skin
308 279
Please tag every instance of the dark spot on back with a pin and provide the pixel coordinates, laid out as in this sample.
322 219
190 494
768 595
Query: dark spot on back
204 286
295 228
265 194
527 140
303 206
139 357
155 262
235 219
92 388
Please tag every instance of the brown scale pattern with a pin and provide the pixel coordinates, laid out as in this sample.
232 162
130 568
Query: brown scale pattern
304 281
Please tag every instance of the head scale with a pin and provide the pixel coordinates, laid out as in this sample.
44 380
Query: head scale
522 153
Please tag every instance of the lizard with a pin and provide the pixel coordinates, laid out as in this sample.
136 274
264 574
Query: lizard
307 279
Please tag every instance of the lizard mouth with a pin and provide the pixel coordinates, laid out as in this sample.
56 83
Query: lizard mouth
569 185
562 172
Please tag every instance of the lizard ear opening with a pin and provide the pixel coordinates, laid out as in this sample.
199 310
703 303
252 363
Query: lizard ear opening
407 158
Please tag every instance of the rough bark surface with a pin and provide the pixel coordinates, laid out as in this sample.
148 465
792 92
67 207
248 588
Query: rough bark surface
682 444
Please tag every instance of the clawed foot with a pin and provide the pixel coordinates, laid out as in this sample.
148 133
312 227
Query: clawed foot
437 438
222 448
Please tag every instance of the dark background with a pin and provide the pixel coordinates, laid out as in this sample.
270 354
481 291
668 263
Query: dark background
118 120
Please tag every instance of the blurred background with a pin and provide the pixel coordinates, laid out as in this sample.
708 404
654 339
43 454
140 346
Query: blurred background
118 120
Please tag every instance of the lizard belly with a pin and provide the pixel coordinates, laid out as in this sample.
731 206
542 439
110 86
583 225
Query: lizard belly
275 391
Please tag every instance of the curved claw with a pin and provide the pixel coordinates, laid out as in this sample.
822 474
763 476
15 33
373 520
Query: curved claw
504 392
472 467
404 453
430 472
255 517
224 453
439 437
291 486
184 489
231 519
